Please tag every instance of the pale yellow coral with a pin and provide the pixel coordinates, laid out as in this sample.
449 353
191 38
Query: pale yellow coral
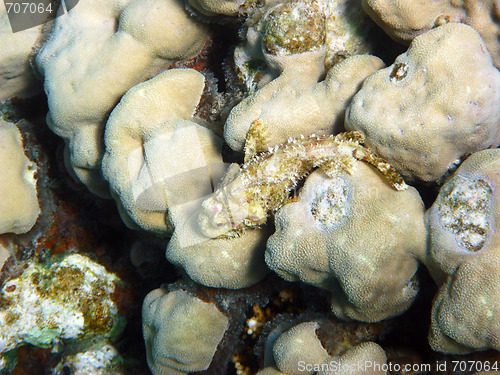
299 41
278 29
19 207
465 312
247 194
405 19
217 7
313 106
298 351
299 343
16 75
181 332
438 102
464 243
96 53
155 154
231 262
354 236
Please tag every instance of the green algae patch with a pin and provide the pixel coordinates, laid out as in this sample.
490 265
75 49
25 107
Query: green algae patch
69 299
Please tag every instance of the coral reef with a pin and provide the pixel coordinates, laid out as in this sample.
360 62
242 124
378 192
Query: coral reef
100 360
217 7
73 302
405 19
19 208
296 63
232 263
247 194
154 151
314 107
299 351
270 180
87 68
181 332
463 243
406 113
16 76
345 234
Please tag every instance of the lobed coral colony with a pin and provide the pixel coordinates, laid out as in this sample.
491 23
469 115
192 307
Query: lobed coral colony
319 211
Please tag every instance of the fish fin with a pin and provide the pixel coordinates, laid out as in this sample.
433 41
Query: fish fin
256 139
389 172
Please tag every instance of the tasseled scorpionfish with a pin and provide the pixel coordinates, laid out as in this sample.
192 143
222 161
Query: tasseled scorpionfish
263 184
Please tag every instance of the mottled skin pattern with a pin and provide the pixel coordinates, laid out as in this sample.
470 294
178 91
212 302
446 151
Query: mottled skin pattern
263 184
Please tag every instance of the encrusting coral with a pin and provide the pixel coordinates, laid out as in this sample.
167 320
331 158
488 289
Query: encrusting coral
298 63
314 107
403 20
102 359
463 224
181 332
299 351
217 240
346 233
217 7
19 208
73 302
232 263
156 155
16 75
98 51
140 91
406 113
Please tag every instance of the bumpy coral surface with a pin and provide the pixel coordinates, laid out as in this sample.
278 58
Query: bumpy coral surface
463 210
463 224
405 19
355 236
140 90
19 208
283 67
217 7
16 75
232 263
181 332
156 156
406 113
100 360
315 106
96 53
283 28
347 30
299 351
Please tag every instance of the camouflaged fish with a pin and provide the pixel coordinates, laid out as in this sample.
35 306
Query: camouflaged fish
263 183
